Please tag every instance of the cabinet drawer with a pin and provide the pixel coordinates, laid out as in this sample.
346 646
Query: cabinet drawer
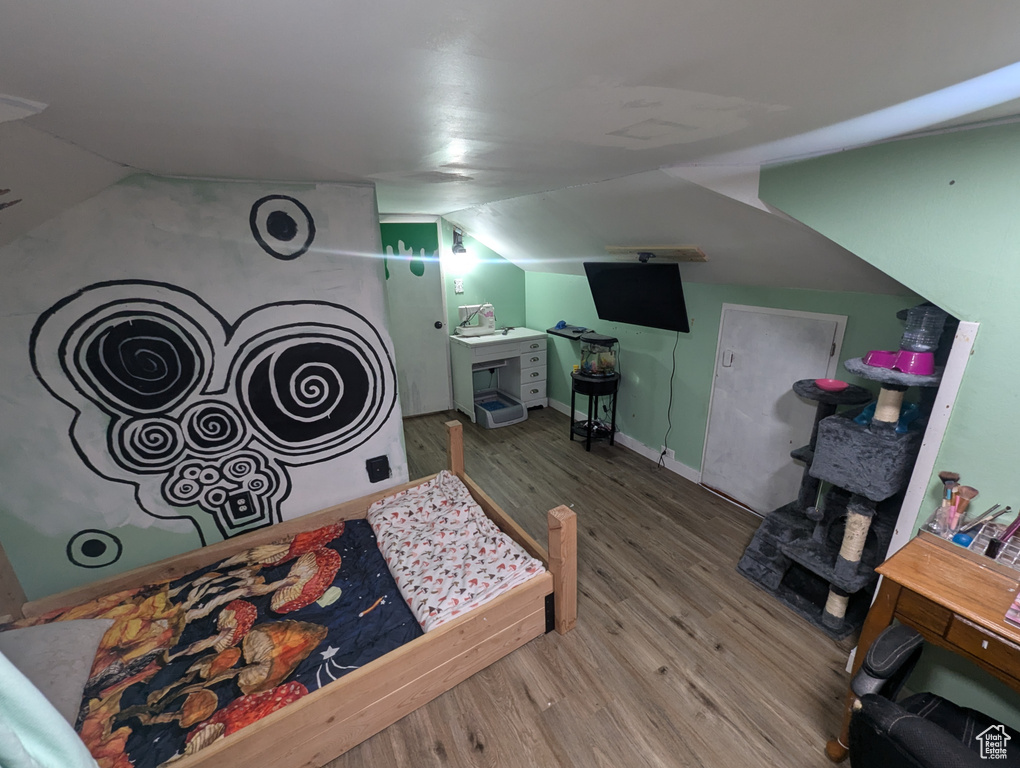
532 375
532 391
921 612
485 352
984 645
533 359
532 345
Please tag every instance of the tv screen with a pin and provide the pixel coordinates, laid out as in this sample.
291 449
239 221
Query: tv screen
640 294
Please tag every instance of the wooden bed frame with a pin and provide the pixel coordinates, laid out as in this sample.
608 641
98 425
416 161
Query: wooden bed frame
327 722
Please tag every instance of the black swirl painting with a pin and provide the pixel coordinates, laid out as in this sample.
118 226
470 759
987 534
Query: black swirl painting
202 416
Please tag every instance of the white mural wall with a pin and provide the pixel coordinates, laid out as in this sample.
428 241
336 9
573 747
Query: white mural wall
184 361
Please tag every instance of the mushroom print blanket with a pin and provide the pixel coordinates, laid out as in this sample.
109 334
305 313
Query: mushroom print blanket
446 555
190 661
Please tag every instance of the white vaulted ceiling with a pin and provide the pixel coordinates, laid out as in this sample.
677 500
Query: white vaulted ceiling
549 130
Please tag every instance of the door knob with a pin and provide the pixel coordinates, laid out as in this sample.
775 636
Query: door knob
439 323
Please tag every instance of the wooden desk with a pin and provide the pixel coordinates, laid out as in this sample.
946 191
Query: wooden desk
956 599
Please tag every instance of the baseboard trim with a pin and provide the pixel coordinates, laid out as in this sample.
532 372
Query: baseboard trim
674 466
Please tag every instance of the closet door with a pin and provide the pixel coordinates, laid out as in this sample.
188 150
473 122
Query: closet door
755 419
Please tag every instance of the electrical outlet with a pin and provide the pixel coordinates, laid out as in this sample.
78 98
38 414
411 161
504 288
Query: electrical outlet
668 452
458 285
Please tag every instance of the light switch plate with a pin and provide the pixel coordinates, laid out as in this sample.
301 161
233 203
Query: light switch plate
458 285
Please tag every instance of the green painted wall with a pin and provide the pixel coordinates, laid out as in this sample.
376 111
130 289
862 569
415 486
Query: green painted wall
492 280
939 214
646 354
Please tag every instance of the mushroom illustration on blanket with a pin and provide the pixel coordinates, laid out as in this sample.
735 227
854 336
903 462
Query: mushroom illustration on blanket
198 706
308 578
282 551
271 653
312 574
241 712
208 667
232 624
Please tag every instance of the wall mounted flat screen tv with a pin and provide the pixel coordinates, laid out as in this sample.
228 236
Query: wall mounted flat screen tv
640 294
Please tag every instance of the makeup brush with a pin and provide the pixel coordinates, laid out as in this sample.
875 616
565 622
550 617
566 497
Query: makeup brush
1010 530
964 494
949 479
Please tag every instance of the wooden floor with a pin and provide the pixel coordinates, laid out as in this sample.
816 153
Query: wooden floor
677 660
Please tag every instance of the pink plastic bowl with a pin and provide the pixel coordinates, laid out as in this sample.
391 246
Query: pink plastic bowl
918 363
880 358
831 385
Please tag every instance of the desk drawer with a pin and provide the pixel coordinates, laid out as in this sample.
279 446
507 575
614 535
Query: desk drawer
921 612
984 645
531 391
532 345
533 359
532 375
485 352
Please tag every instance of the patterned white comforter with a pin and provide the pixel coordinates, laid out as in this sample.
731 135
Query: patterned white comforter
445 554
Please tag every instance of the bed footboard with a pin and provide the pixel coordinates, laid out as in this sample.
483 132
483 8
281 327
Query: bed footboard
562 522
561 525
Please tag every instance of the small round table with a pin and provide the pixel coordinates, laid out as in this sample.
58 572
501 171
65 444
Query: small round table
593 387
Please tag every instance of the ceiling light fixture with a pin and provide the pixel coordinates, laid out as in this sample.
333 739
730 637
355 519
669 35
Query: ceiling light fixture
459 261
458 242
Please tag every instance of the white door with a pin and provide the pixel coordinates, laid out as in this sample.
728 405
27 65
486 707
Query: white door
755 419
417 315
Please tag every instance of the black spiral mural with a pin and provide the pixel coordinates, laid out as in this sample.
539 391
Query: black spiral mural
298 396
212 427
139 363
295 383
147 444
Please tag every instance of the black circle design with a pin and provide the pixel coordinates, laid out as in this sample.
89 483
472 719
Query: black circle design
215 497
213 428
146 445
140 363
309 393
281 226
92 548
277 221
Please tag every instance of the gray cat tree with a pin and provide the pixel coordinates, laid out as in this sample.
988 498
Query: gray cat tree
819 558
